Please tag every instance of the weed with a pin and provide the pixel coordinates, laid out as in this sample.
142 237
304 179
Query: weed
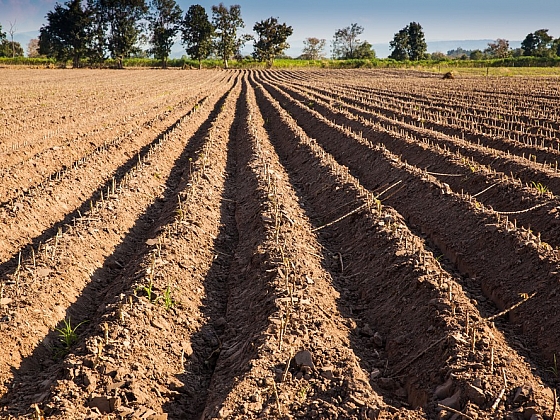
67 333
167 300
149 291
302 393
542 189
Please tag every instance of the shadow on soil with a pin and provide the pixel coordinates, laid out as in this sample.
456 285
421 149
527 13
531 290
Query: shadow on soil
37 373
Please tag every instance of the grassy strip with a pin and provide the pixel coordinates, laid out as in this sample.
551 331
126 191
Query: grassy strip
514 66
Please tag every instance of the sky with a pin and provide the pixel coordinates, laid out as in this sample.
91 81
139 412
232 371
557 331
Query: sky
442 20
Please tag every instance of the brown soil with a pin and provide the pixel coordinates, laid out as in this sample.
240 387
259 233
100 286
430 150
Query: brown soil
278 244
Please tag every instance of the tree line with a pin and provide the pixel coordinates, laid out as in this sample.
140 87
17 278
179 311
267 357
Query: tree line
93 30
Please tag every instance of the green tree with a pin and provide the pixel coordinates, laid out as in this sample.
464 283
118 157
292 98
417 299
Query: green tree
399 45
226 22
364 51
197 32
66 36
122 21
313 48
409 43
2 34
346 41
537 44
477 55
164 25
498 49
271 39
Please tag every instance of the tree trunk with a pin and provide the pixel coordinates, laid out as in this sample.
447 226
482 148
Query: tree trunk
199 64
226 63
164 63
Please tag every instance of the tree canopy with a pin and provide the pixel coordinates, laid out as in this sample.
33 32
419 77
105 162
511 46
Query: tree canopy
537 44
66 35
313 48
122 19
226 22
499 48
409 43
347 44
197 32
164 19
271 39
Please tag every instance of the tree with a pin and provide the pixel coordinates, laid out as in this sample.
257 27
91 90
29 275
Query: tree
121 18
399 45
33 48
313 48
272 37
409 43
477 55
197 32
537 44
498 49
164 25
66 35
226 23
364 51
346 41
12 31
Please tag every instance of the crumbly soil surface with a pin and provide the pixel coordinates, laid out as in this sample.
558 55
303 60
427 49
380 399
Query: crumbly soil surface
342 244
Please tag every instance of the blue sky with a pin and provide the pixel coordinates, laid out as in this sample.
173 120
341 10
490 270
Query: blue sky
441 19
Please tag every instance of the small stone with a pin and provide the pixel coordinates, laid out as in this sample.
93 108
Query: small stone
304 358
444 391
375 373
103 404
476 395
327 372
529 412
401 393
220 322
367 331
522 394
378 339
159 323
453 401
387 383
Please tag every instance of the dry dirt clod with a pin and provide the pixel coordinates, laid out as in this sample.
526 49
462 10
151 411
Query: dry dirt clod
522 394
304 359
444 391
476 395
453 401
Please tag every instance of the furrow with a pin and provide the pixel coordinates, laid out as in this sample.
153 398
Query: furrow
395 285
79 268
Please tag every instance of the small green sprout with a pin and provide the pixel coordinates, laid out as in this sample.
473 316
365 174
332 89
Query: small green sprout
67 334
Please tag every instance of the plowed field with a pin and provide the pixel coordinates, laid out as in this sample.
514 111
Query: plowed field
278 244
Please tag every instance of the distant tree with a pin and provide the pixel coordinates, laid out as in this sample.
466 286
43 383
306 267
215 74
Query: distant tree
364 51
197 32
537 44
346 41
226 22
476 55
66 36
2 34
164 19
271 39
409 43
417 46
499 49
438 56
122 19
458 53
313 48
555 47
33 48
400 45
12 31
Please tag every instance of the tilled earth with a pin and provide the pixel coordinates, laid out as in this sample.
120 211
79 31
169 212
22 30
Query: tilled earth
278 244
